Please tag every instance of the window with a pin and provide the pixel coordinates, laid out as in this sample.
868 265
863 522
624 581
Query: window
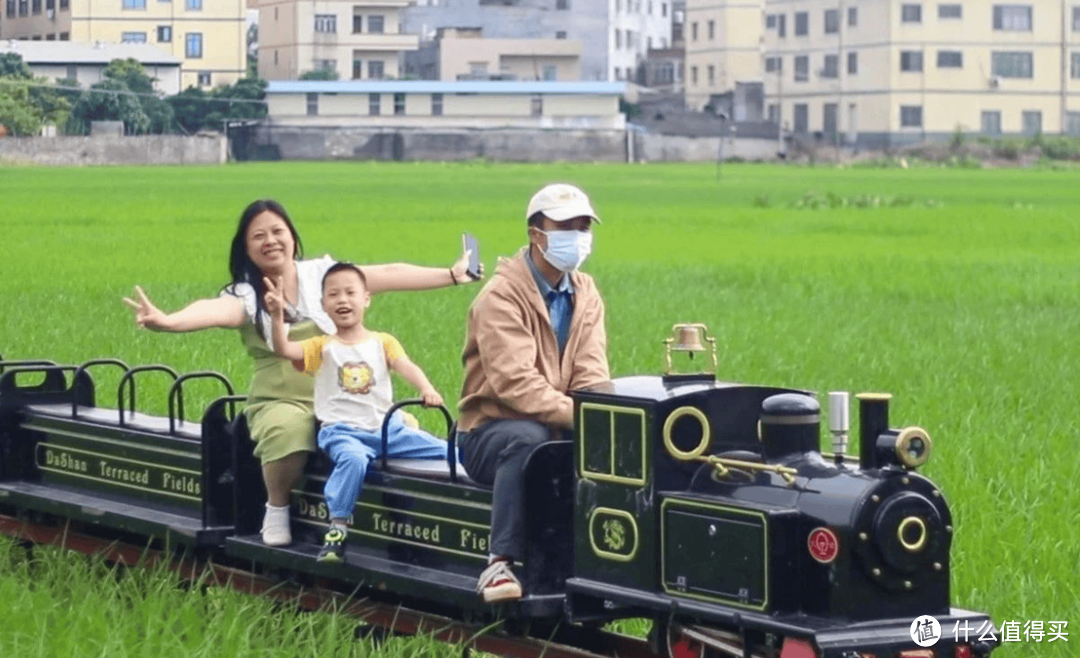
1031 122
770 22
802 118
562 4
357 69
312 105
852 16
204 79
1012 18
63 6
774 64
1072 123
693 31
781 25
802 23
537 107
693 75
560 35
357 23
195 5
325 64
911 60
275 57
950 59
852 63
663 9
373 101
911 116
133 37
950 11
35 6
11 8
551 72
193 45
65 36
436 105
134 4
712 30
50 37
399 104
831 69
1075 21
832 21
828 121
375 24
991 122
1011 64
618 39
629 73
375 69
911 13
774 113
326 23
72 72
164 33
711 70
1074 68
802 68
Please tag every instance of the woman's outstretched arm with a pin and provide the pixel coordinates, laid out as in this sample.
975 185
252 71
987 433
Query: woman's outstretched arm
225 311
404 276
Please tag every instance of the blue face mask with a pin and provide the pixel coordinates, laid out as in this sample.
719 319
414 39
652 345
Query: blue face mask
567 250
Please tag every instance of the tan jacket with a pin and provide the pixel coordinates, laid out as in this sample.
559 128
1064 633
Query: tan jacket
511 356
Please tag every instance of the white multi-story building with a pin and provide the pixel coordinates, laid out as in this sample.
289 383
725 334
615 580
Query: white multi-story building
359 39
887 72
615 34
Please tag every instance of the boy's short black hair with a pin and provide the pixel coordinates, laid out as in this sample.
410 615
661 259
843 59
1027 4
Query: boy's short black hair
537 219
341 266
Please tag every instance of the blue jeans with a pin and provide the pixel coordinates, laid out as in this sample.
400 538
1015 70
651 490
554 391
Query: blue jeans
352 449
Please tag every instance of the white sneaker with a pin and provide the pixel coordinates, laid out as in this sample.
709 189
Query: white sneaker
275 528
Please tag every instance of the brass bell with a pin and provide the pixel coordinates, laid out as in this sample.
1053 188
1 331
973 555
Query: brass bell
689 338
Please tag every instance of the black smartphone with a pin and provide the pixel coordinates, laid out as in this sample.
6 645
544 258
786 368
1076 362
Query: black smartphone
470 244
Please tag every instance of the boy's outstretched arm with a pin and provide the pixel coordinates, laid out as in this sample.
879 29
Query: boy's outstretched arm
275 304
415 376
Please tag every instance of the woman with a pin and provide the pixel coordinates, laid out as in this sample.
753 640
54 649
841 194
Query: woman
279 409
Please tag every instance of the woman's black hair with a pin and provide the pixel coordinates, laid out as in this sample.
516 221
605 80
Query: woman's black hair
241 268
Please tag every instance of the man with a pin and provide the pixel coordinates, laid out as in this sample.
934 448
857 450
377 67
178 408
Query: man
535 332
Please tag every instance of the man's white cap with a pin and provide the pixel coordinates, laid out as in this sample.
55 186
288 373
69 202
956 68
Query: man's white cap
561 202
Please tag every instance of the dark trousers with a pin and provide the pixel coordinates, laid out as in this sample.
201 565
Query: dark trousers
494 454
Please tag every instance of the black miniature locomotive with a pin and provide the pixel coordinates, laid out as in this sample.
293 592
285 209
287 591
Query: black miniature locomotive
704 506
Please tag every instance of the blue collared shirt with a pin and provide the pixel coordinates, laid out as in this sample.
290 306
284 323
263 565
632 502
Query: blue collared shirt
559 301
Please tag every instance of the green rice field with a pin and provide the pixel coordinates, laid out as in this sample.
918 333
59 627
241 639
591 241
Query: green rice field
956 290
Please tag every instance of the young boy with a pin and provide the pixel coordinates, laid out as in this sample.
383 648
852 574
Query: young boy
353 393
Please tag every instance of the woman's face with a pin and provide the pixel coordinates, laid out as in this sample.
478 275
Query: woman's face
270 244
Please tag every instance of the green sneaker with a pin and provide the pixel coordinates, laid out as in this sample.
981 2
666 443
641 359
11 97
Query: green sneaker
333 548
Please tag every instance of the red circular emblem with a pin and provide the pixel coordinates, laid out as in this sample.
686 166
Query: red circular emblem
823 545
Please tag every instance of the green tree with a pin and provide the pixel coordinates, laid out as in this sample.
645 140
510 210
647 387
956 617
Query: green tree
320 74
108 100
27 103
197 110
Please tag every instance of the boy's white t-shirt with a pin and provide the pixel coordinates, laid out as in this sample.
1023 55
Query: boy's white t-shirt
352 382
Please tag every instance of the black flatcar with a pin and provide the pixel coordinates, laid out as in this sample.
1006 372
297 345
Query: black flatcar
704 506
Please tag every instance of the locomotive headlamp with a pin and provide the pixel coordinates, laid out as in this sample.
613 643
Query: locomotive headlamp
913 447
911 533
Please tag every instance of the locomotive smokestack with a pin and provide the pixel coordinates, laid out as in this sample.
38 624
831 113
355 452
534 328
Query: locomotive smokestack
839 423
790 424
873 421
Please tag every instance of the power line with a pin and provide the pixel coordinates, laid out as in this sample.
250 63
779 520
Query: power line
122 92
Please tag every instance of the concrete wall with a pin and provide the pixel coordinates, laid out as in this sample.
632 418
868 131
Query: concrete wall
508 145
149 149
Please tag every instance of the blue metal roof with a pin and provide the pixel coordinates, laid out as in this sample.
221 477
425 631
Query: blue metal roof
441 87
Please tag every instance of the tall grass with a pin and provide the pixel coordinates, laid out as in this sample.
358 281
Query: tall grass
964 309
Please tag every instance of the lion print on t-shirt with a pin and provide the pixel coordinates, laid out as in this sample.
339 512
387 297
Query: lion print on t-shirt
354 377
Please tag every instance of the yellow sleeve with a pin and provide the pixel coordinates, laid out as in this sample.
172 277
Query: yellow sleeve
392 348
313 348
